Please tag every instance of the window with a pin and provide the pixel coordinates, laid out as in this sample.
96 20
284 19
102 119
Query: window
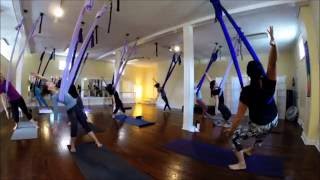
302 52
62 65
5 49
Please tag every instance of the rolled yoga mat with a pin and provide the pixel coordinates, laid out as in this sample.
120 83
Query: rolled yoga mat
133 121
100 163
257 164
45 111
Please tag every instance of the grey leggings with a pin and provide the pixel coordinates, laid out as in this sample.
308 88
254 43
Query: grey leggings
259 132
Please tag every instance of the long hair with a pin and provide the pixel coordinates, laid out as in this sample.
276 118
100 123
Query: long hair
45 91
255 72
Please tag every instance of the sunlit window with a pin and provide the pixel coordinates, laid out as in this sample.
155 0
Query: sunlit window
62 65
302 52
5 49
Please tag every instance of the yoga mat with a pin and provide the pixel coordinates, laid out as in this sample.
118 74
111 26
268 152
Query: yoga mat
133 121
25 124
100 163
45 111
257 164
26 130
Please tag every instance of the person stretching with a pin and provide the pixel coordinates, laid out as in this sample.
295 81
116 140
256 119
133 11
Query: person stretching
116 99
219 101
16 101
201 103
74 112
258 98
163 95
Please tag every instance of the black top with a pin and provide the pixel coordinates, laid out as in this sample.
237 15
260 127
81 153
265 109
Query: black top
216 92
116 97
261 110
73 91
162 92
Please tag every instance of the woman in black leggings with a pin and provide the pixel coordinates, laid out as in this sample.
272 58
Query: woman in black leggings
16 101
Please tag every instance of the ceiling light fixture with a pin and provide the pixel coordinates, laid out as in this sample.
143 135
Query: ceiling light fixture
58 12
176 48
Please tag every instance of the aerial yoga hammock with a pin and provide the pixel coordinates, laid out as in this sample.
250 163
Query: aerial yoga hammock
69 76
30 35
126 53
176 58
15 99
198 95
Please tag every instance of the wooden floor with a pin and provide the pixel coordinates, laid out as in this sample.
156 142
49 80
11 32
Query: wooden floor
48 157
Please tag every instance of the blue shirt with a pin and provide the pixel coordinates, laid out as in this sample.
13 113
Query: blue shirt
68 101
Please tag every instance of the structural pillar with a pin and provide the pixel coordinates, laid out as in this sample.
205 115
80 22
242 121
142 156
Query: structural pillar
188 74
116 65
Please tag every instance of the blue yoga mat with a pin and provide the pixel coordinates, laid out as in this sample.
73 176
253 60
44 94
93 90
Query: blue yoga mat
133 121
100 163
257 164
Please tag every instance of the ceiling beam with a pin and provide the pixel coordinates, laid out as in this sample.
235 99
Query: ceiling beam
204 20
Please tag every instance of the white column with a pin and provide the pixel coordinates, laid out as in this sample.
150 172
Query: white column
116 65
188 74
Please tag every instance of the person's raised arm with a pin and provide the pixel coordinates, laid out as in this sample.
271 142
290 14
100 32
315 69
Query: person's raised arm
208 77
272 63
155 80
39 76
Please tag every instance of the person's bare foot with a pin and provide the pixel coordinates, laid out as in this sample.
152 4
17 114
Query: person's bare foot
73 149
99 145
238 166
15 126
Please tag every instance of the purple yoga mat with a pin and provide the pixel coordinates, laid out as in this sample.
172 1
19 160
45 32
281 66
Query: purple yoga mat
257 164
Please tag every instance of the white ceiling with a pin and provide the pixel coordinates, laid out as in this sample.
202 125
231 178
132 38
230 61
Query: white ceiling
141 18
283 18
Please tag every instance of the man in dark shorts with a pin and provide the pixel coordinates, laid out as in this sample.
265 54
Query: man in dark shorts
258 98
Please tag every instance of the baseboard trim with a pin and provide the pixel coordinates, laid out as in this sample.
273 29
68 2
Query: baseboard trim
312 142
